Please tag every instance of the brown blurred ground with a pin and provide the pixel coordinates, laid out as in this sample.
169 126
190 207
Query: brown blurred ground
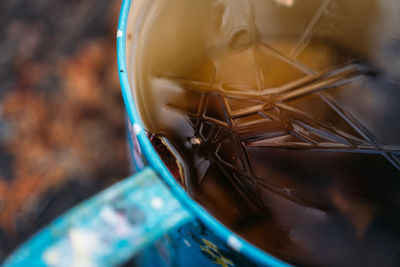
62 134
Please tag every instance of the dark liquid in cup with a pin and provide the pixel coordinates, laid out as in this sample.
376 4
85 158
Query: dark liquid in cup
285 117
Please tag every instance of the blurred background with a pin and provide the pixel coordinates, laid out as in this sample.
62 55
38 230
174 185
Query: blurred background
62 133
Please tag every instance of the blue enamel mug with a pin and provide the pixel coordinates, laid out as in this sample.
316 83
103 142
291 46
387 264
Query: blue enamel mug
337 110
147 217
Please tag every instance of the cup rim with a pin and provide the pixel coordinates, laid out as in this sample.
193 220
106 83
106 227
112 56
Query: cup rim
217 228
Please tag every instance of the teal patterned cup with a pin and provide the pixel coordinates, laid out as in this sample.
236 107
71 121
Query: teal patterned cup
146 219
322 100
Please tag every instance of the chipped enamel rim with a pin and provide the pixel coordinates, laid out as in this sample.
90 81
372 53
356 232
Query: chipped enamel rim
155 162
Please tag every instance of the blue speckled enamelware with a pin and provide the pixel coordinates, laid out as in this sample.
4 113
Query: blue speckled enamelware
148 216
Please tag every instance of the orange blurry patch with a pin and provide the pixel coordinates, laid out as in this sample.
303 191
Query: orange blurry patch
77 132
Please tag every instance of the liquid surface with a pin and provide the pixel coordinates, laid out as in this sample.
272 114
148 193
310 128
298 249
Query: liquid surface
285 115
